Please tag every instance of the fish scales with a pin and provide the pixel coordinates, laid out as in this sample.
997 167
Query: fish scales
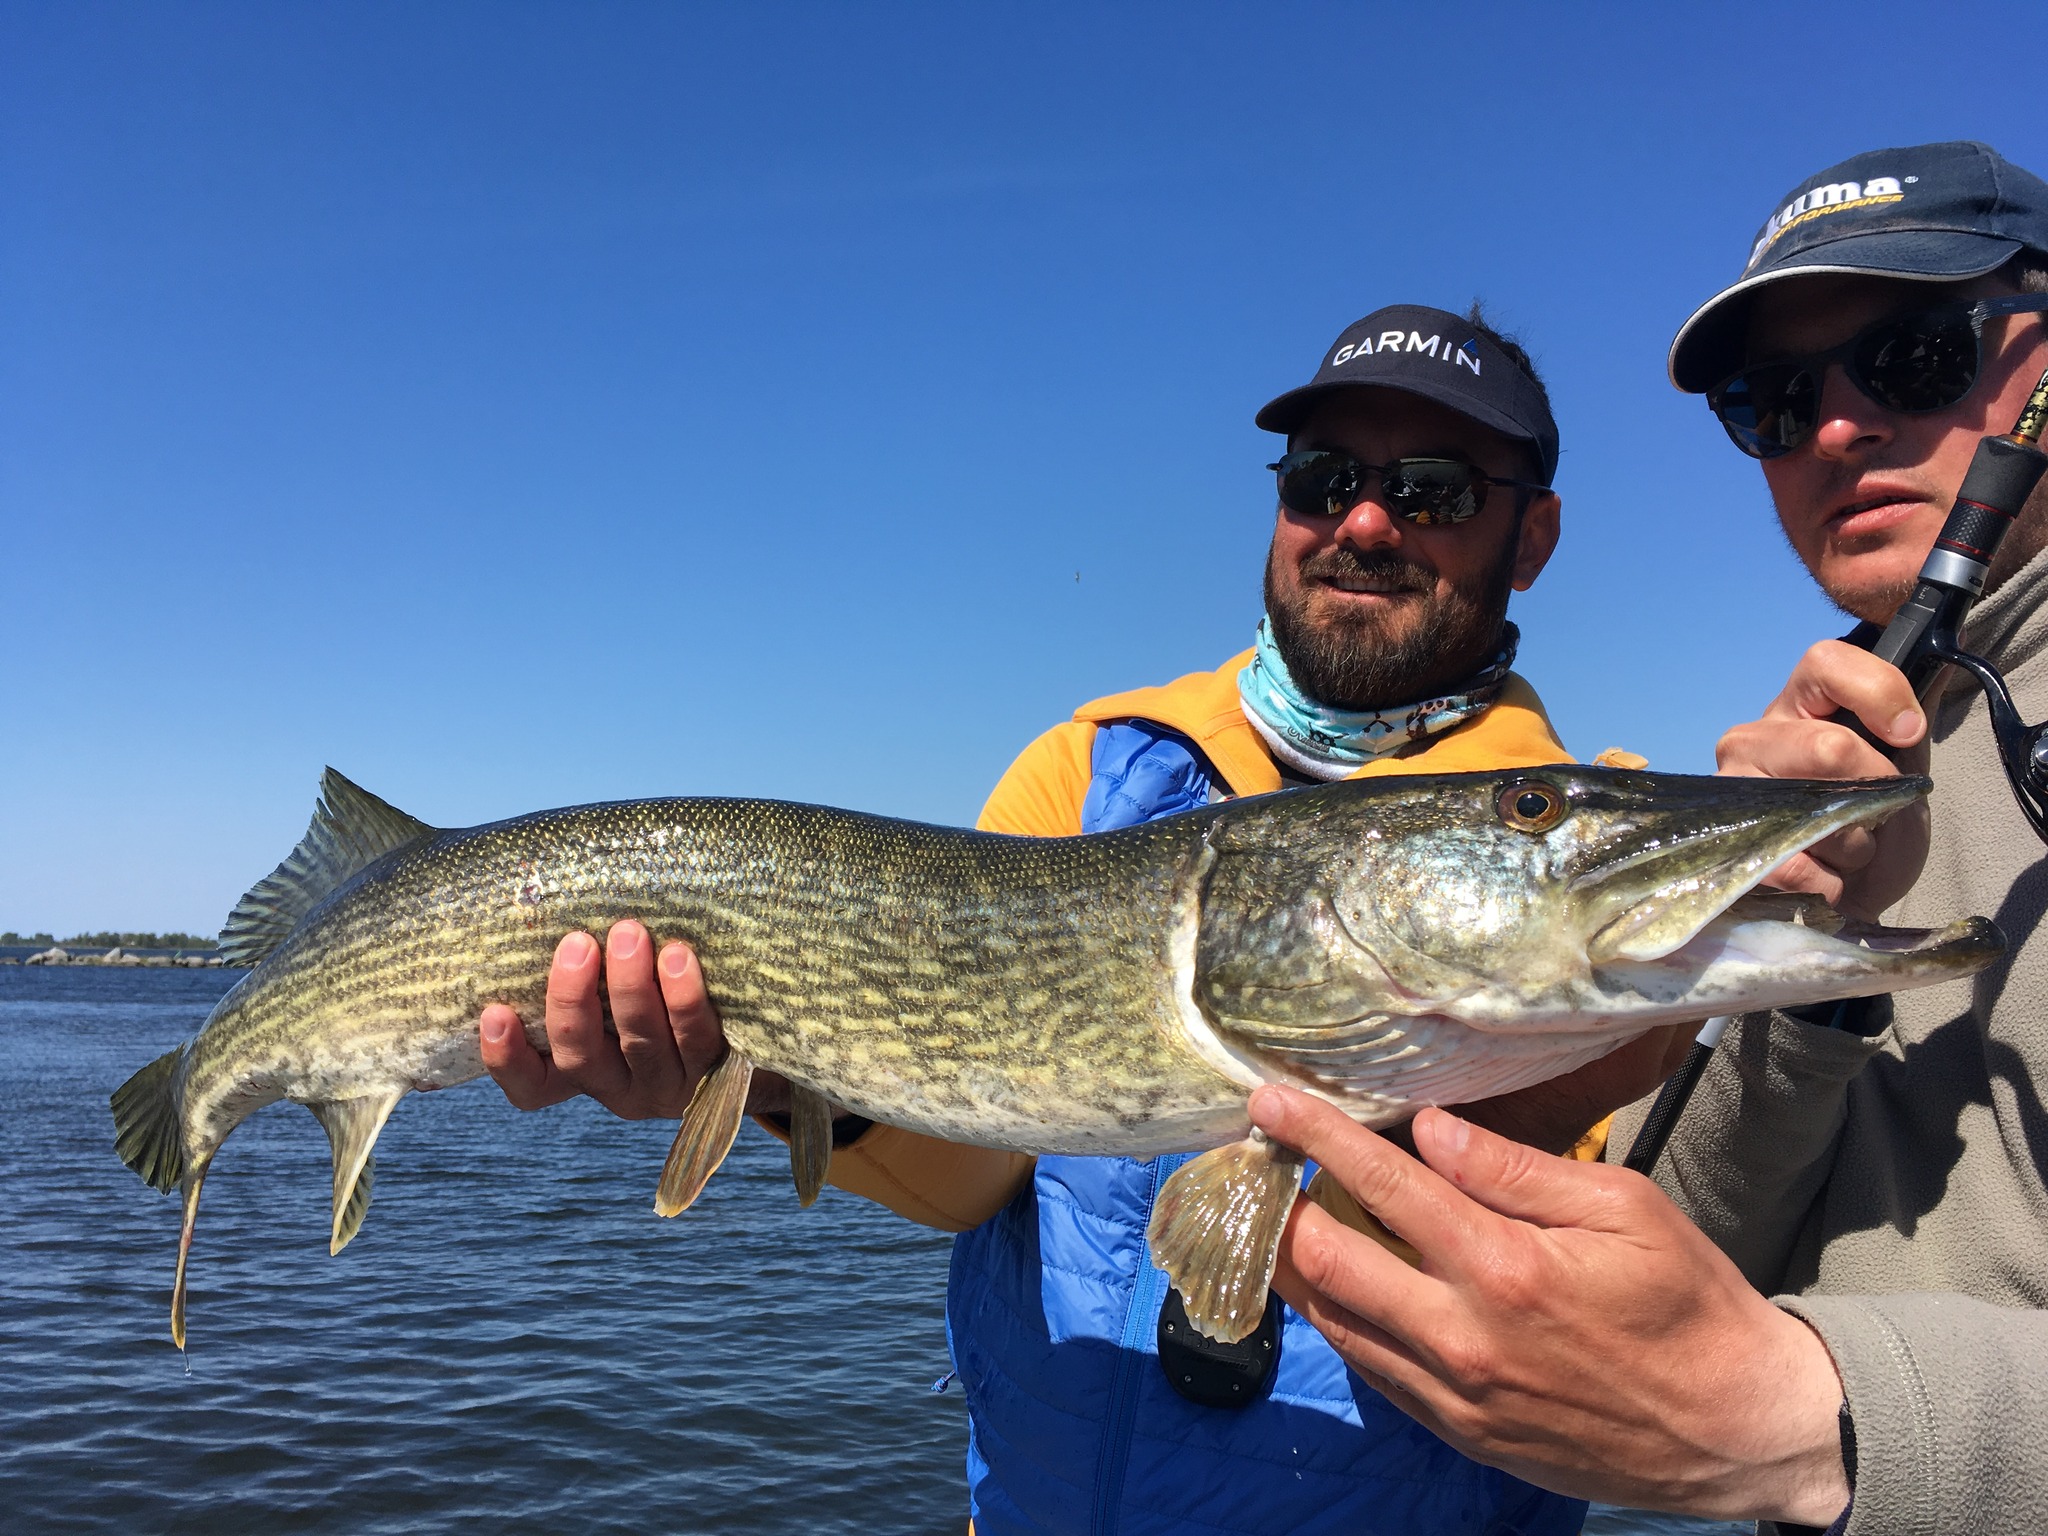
1022 943
1384 944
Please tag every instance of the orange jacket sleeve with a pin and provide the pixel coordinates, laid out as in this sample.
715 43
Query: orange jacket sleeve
1042 792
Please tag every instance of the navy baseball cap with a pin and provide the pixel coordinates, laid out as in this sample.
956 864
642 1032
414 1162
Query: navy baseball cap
1435 354
1934 212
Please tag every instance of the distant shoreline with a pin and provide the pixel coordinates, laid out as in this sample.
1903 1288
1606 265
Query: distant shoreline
116 955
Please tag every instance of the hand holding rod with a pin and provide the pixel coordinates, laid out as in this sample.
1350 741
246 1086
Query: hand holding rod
1920 640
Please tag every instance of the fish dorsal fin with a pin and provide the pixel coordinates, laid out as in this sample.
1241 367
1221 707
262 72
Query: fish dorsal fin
351 828
352 1126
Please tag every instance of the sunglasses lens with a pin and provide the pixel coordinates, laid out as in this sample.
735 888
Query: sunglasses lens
1922 363
1768 411
1320 484
1433 490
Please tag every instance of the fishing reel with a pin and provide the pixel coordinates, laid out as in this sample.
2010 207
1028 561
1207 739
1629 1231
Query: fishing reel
2022 748
1921 637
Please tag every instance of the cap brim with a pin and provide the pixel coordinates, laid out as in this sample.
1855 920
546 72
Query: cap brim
1709 346
1285 413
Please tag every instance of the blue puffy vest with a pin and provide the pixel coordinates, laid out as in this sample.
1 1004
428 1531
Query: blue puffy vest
1052 1310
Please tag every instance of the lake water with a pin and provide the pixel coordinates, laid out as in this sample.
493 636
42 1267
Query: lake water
513 1343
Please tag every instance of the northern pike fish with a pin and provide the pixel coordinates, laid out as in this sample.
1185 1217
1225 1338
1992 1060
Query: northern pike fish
1383 943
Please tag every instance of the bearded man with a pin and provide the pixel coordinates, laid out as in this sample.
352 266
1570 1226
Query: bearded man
1414 497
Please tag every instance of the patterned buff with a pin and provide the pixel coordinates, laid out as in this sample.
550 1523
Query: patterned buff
1326 743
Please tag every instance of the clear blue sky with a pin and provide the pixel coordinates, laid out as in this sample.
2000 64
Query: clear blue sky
518 404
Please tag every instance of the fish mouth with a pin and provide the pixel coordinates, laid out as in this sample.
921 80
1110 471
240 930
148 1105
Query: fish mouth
1772 949
1658 878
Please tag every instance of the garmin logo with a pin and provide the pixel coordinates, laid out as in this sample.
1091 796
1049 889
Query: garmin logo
1460 356
1834 197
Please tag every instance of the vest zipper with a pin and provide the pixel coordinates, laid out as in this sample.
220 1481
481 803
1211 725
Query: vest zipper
1148 1292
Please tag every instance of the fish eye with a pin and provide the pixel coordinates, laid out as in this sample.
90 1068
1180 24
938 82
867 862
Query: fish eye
1530 805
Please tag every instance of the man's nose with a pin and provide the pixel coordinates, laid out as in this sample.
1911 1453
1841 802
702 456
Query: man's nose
1369 525
1850 421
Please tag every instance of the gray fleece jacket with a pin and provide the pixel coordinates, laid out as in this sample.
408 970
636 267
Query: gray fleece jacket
1890 1191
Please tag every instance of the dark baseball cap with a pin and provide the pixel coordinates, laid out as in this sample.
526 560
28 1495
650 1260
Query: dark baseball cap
1435 354
1932 212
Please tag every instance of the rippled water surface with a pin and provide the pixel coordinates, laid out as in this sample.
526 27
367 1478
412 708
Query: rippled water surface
514 1343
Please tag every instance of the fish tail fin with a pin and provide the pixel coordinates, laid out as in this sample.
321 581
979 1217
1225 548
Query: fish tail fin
148 1122
706 1134
1215 1230
149 1133
194 1177
352 1126
810 1142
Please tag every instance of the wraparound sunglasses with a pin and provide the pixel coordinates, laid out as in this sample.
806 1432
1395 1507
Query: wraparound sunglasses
1912 364
1321 482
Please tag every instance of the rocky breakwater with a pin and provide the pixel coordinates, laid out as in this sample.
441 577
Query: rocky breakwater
57 955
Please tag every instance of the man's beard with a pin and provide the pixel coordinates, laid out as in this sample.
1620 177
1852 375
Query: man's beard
1874 602
1353 663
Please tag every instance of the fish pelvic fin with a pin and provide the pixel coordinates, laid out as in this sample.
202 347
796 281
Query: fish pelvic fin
810 1142
351 829
352 1126
194 1176
148 1122
706 1134
1215 1230
1342 1204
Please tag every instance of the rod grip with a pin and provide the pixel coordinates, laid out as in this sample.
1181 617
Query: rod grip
2003 474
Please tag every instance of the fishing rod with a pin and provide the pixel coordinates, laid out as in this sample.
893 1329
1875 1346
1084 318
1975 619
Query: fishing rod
1920 641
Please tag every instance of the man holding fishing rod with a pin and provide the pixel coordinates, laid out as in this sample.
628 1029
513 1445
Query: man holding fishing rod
1414 498
1874 1168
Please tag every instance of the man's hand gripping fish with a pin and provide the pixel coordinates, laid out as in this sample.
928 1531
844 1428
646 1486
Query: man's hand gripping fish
1384 944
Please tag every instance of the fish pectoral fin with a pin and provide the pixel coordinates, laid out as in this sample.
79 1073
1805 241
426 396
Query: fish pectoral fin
706 1134
810 1142
352 1126
1215 1230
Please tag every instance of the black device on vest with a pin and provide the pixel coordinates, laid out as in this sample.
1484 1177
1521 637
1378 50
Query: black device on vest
1214 1374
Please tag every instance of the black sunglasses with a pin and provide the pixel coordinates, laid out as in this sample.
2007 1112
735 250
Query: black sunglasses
1911 364
1320 482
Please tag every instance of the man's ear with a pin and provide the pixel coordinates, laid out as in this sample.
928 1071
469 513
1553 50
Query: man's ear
1538 539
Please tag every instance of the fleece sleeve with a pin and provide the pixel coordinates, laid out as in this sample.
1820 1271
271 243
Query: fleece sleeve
1758 1139
1949 1396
